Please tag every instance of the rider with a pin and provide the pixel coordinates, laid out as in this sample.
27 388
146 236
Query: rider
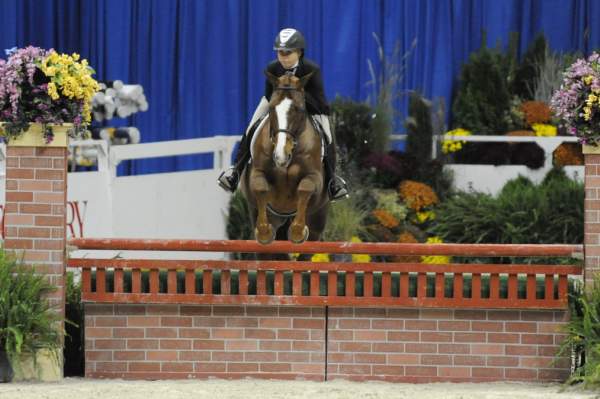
290 46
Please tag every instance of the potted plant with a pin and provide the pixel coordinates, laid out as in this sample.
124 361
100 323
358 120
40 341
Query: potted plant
44 95
30 328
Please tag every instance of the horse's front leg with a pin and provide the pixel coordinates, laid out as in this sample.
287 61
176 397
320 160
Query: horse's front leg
259 186
306 188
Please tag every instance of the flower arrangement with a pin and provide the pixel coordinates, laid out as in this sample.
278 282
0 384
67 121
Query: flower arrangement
449 145
42 86
577 102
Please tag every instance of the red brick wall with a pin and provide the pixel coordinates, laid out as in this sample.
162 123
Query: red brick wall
444 345
36 197
178 341
592 216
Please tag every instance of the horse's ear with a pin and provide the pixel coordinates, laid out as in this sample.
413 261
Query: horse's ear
271 78
304 79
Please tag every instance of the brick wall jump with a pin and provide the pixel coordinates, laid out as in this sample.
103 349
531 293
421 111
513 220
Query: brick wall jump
412 345
178 341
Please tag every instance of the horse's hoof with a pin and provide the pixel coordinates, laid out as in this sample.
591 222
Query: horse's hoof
266 238
298 236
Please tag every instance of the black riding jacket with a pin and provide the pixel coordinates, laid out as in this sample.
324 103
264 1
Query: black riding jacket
316 103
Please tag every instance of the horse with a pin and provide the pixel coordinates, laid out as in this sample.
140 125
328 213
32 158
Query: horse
284 182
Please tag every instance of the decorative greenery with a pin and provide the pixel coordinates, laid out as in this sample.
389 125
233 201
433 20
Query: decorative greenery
28 322
550 213
583 335
239 223
359 129
345 220
73 352
419 128
45 87
527 72
483 96
550 75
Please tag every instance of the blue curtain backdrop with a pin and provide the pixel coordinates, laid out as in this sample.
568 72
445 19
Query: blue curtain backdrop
200 61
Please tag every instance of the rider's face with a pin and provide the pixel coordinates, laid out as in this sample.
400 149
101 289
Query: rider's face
288 58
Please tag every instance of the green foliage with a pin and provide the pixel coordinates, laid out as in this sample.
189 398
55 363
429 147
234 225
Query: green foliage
550 213
424 121
583 334
550 75
483 96
239 223
359 129
27 320
388 201
73 291
345 220
418 127
73 352
527 73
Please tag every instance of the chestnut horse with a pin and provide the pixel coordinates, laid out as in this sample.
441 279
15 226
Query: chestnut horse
284 182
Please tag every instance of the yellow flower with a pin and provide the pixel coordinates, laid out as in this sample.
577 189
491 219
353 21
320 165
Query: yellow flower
588 79
434 240
359 258
71 78
424 216
52 92
320 258
435 259
449 145
544 130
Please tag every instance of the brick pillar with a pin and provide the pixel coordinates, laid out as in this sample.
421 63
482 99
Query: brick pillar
591 240
35 221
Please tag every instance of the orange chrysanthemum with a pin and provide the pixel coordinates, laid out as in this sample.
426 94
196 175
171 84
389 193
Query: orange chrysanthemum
385 218
536 112
568 154
407 238
417 195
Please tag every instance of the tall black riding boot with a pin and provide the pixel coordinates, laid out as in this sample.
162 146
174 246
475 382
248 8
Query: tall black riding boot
336 186
230 178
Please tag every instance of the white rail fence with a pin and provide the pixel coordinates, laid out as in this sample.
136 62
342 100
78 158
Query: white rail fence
189 204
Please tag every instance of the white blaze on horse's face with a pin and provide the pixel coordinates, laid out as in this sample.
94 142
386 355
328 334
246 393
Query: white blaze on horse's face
279 155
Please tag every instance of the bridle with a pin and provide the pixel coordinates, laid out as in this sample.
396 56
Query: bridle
289 132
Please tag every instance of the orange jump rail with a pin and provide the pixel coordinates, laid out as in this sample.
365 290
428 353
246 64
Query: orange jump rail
545 286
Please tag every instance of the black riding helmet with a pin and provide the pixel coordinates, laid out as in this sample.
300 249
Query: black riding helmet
289 39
